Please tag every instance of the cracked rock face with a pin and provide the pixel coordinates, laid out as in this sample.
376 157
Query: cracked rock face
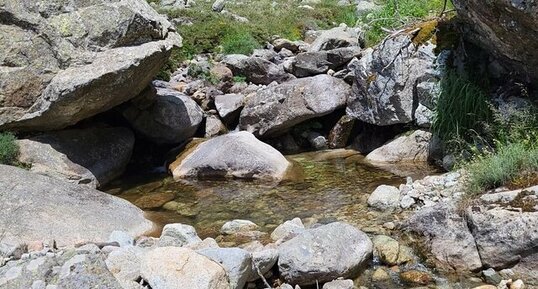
272 111
64 62
507 28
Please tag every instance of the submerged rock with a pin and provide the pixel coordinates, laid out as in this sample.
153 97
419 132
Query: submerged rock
238 155
164 115
85 58
323 254
274 110
37 202
91 157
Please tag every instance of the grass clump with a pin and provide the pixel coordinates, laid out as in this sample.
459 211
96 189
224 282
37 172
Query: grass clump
394 14
8 149
462 114
241 42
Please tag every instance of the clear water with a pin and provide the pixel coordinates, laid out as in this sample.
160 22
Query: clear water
327 186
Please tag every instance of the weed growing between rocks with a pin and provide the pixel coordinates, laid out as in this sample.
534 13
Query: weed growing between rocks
8 148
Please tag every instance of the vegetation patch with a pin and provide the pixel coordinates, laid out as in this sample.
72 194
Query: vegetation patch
9 149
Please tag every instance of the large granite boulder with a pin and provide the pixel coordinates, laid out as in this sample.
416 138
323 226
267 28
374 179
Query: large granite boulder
323 254
66 61
319 62
36 207
164 115
503 237
91 157
386 79
337 37
506 28
238 155
447 237
272 111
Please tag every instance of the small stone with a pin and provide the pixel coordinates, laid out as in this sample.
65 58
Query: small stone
236 226
178 235
415 277
518 284
491 277
384 197
380 275
288 229
122 238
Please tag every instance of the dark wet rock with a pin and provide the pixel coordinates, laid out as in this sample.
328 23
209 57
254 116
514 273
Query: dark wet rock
505 28
503 237
236 262
446 236
256 70
37 203
414 147
238 155
319 62
384 90
340 133
323 254
91 157
274 110
164 115
85 58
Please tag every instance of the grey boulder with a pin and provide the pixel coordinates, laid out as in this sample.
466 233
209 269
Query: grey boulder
237 263
32 204
384 88
384 197
178 235
256 69
323 254
447 237
91 157
238 155
414 147
319 62
337 37
274 110
229 106
85 58
164 115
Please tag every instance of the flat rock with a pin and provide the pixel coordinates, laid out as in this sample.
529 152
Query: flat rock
238 155
324 253
274 110
37 202
180 268
91 157
85 58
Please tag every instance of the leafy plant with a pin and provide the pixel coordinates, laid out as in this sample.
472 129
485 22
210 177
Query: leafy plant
8 148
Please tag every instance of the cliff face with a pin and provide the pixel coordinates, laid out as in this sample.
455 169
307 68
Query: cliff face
506 28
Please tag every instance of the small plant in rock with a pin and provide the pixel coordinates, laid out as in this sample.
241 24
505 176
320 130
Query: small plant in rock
8 148
239 79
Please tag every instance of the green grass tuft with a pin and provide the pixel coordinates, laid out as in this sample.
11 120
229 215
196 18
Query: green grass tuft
239 42
8 148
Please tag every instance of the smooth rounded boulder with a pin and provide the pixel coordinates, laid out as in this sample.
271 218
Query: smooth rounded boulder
164 115
274 110
67 61
324 254
33 204
237 155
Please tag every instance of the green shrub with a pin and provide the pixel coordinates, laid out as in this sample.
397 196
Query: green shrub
462 113
8 148
513 165
239 42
